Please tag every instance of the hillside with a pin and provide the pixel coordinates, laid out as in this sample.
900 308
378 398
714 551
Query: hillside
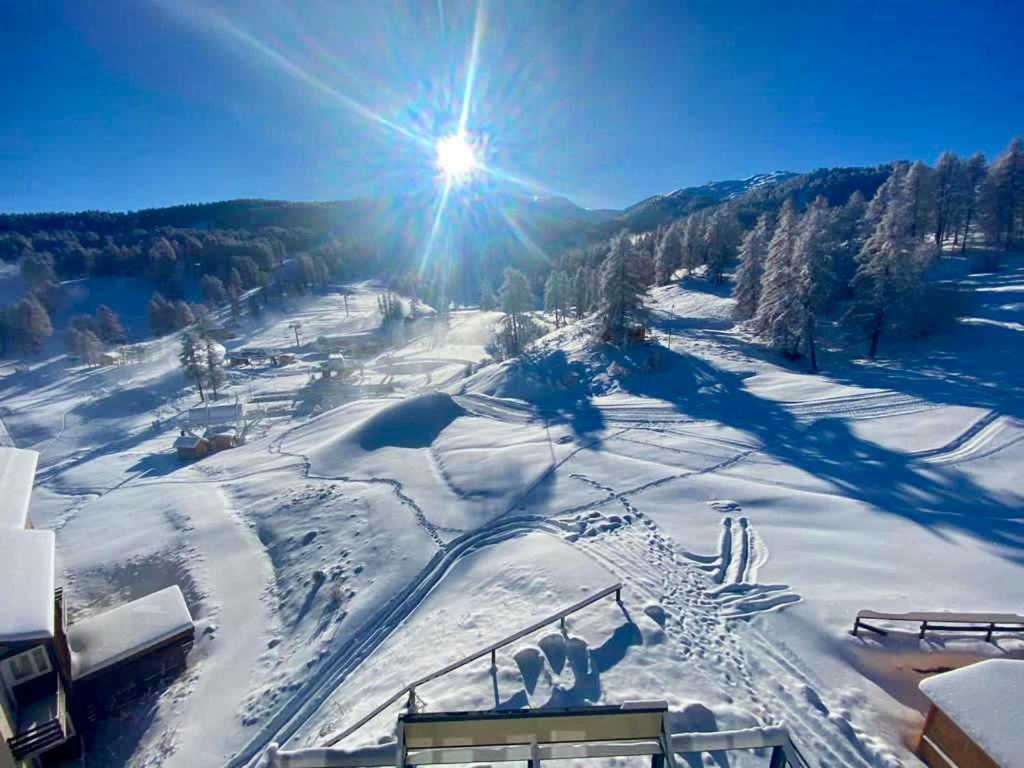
367 533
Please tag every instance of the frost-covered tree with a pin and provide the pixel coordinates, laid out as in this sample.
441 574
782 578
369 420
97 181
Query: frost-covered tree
692 241
971 182
516 302
1002 197
488 301
721 237
850 230
37 268
557 295
752 254
919 189
781 319
108 325
887 286
581 291
214 293
668 254
183 315
812 257
621 301
190 357
213 363
83 344
30 325
161 315
890 188
948 169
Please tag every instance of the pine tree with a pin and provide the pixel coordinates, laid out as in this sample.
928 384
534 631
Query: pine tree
213 366
108 325
668 254
781 319
191 362
850 232
557 295
30 325
621 302
1002 197
692 242
752 253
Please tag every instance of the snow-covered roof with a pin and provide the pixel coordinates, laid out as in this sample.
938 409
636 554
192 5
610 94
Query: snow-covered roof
187 441
17 471
27 577
984 700
222 429
107 638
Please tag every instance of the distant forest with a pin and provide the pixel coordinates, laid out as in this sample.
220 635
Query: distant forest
232 247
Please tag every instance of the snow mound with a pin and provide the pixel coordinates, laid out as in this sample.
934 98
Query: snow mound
411 423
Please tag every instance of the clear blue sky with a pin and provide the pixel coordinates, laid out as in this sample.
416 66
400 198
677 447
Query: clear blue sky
125 104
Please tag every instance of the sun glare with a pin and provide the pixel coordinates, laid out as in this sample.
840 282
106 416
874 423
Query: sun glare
456 157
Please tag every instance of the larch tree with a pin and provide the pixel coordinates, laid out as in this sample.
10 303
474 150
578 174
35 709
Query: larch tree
752 254
190 357
850 232
815 278
30 325
108 325
1002 198
920 197
516 301
621 300
668 254
213 363
971 182
692 242
214 293
946 175
557 295
781 317
721 236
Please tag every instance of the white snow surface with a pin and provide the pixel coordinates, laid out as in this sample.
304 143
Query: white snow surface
984 701
372 529
107 638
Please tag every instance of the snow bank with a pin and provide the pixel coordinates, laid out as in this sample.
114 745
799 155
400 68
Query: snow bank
411 423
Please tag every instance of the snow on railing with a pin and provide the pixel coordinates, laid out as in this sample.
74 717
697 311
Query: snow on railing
410 690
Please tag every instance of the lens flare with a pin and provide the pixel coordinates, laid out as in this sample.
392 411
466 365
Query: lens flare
456 157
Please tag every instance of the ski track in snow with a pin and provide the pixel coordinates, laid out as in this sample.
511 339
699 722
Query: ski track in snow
701 620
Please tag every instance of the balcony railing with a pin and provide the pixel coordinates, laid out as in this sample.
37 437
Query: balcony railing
42 735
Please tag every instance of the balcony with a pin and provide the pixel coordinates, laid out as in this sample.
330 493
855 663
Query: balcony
43 722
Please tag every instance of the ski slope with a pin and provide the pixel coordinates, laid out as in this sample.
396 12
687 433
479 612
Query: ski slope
355 543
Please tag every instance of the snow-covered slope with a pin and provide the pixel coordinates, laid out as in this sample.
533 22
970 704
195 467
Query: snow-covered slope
357 542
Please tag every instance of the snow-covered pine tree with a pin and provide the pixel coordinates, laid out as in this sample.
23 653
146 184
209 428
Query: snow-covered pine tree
692 242
752 254
1002 198
621 300
890 188
781 318
668 255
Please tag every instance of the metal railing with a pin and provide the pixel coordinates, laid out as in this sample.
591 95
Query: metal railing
410 690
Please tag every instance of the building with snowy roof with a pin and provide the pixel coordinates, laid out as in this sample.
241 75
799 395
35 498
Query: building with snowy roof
975 717
42 679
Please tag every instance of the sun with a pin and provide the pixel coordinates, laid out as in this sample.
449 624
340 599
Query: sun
456 157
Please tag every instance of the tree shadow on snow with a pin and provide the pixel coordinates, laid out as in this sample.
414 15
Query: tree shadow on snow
940 498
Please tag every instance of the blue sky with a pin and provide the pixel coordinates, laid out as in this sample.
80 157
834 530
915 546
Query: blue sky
127 104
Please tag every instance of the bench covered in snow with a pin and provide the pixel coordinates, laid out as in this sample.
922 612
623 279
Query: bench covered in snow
943 621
